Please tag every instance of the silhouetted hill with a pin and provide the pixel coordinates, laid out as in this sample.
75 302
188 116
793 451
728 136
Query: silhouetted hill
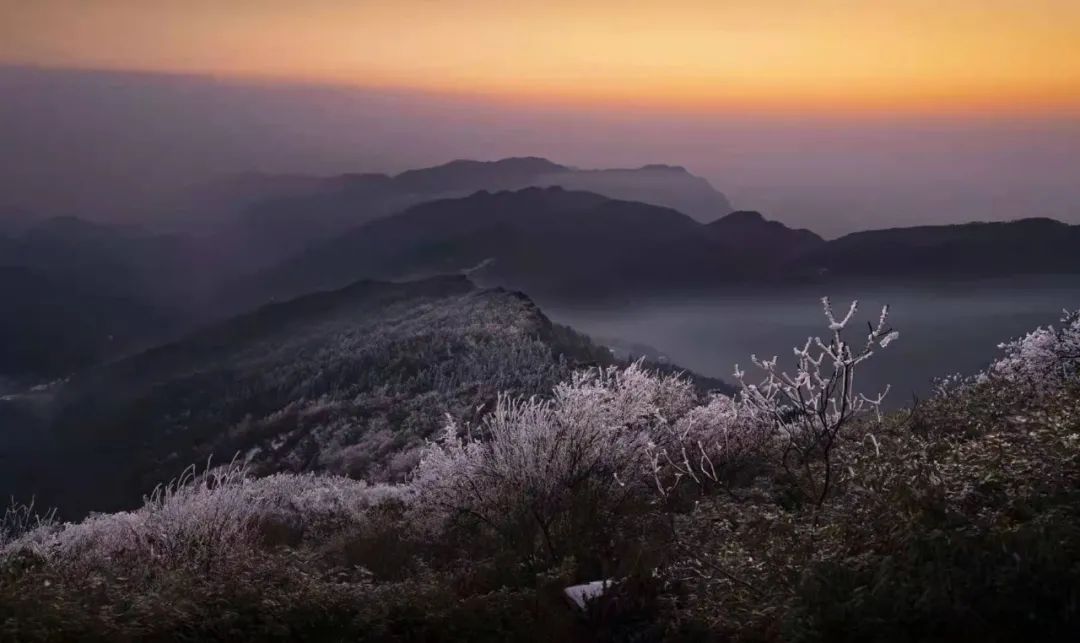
749 234
549 242
50 328
663 185
268 218
108 259
974 249
470 176
14 219
75 292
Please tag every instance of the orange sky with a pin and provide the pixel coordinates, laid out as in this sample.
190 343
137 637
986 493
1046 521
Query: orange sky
939 56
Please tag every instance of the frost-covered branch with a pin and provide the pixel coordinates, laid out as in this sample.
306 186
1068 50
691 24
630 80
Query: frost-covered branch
811 405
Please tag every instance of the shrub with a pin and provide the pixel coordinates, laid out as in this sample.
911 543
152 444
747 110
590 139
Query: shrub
211 522
1041 360
958 520
552 476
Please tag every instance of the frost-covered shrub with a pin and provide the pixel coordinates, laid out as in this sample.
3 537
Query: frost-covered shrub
1035 372
208 521
20 519
1043 359
550 470
709 445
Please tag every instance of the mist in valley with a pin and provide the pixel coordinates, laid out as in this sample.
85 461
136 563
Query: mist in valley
946 328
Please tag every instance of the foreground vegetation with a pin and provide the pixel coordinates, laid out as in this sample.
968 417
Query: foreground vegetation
791 512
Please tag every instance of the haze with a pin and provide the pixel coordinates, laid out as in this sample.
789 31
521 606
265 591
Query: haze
832 115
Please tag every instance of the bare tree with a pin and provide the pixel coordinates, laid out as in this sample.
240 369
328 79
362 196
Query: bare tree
811 406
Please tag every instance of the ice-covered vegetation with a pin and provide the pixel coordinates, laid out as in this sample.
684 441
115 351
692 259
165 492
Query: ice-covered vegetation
1042 360
350 382
791 511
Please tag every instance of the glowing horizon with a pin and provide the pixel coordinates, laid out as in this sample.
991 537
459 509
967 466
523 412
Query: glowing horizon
687 55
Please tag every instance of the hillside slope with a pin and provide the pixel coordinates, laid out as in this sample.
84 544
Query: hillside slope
74 292
349 382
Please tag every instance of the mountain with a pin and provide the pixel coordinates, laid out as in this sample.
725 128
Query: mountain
664 185
350 381
74 293
549 242
749 235
14 219
269 217
51 328
117 260
471 176
1023 246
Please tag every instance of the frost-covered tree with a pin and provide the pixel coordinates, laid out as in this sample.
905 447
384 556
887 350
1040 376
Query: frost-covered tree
810 407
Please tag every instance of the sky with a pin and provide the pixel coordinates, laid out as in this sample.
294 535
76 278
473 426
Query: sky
925 56
826 114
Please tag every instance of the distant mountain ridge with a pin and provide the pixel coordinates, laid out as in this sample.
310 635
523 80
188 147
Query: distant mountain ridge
1023 246
549 242
274 216
560 244
73 292
749 234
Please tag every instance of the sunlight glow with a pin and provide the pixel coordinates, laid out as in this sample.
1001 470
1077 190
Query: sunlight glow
697 55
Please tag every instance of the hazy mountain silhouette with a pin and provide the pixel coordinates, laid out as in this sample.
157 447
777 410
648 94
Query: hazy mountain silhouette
52 327
75 292
1023 246
110 259
749 235
549 242
664 185
14 219
270 217
469 176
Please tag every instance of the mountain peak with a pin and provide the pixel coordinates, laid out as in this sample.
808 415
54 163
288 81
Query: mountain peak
515 163
663 167
468 175
1042 222
740 217
535 162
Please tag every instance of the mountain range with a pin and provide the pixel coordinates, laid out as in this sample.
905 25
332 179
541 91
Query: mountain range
550 242
269 217
560 245
74 292
77 293
1023 246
